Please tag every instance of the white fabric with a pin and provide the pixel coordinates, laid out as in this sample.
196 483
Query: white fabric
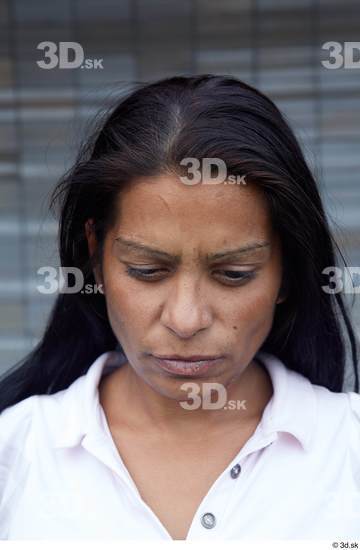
61 476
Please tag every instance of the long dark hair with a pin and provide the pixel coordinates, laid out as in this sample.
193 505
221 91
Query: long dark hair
149 132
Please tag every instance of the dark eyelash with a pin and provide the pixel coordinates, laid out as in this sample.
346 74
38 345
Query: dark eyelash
142 272
244 275
148 273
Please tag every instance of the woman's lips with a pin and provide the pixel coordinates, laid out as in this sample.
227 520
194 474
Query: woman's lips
186 368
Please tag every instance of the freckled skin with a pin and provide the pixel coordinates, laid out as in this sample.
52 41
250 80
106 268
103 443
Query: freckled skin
189 311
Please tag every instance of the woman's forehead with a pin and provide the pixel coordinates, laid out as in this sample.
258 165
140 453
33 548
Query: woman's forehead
164 198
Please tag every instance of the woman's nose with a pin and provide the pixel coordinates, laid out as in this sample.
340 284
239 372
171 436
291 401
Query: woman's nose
186 310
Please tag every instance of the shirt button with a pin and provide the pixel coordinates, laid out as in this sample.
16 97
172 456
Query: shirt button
208 520
235 471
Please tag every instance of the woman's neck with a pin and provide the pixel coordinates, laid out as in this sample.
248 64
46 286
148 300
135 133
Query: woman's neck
128 401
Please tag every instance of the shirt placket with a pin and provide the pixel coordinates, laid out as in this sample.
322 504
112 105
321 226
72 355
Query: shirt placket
208 519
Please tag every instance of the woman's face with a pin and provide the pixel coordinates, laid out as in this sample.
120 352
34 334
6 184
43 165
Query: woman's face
171 290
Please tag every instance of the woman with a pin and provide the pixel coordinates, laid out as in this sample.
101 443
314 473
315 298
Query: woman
196 391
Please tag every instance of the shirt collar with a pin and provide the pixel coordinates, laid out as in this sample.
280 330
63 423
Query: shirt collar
293 406
81 402
291 409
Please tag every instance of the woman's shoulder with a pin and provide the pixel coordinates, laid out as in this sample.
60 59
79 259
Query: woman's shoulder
16 425
339 415
15 443
15 420
42 415
18 421
343 406
354 416
22 426
345 402
354 403
354 437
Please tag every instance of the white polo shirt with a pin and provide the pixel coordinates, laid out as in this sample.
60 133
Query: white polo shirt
297 477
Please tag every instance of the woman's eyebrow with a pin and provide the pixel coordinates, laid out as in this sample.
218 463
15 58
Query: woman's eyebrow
137 246
237 252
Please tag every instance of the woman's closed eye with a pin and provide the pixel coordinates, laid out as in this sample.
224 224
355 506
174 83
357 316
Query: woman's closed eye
155 274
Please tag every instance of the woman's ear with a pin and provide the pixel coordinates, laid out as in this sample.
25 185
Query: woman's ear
92 247
90 236
283 293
